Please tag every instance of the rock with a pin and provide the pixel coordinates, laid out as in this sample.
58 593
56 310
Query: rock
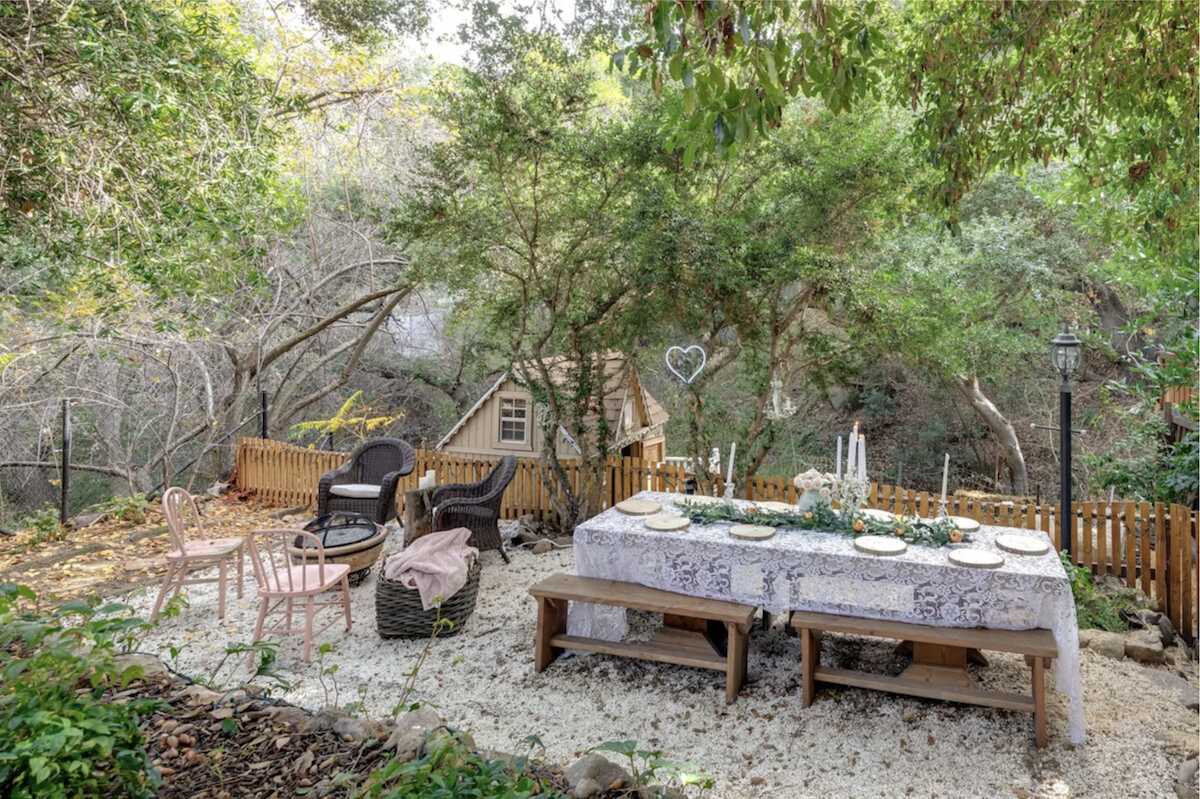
1086 637
153 669
410 732
565 541
359 729
326 718
594 773
1110 645
1166 629
85 520
1184 691
1185 780
144 563
295 717
527 537
1144 646
1179 742
542 547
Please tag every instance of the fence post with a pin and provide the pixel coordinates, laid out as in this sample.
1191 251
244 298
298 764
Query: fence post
263 415
65 503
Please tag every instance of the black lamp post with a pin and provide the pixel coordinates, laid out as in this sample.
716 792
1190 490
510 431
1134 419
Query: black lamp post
1065 354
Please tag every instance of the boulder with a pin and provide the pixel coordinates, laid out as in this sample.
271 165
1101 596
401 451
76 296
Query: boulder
295 717
1185 780
327 718
1110 645
356 729
593 774
1144 646
1086 637
565 541
542 547
410 732
1178 741
86 520
1183 690
198 694
153 669
527 537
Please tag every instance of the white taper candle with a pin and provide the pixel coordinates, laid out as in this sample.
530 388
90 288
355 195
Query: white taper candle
838 459
945 475
729 472
862 457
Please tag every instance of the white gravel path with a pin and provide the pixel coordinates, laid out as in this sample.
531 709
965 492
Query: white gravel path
850 743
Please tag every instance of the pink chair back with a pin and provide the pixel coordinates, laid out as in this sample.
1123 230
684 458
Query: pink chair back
276 570
177 504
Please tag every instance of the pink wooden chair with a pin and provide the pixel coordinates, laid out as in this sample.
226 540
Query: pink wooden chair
200 553
282 580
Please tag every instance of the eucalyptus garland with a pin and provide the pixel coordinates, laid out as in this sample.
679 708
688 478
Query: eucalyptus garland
823 518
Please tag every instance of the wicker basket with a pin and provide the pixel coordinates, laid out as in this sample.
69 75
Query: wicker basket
398 611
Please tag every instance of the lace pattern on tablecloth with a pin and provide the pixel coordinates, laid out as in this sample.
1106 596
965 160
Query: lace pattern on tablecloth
824 573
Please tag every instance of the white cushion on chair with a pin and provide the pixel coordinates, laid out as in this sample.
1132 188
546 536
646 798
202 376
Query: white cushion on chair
355 491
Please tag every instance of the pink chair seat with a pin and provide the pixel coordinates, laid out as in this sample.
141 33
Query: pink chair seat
306 579
208 548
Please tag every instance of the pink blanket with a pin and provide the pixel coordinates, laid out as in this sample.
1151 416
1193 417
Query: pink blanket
436 565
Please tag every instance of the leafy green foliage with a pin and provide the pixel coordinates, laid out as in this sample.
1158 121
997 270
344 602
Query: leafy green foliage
136 144
46 524
59 738
131 509
448 769
650 769
1095 609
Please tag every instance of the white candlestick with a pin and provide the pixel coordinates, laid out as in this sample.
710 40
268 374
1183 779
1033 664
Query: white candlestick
945 476
732 452
838 459
852 453
862 457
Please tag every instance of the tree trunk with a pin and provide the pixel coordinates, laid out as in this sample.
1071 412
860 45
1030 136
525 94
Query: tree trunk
1010 447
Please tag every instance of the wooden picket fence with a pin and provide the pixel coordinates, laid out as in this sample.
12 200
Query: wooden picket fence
1147 546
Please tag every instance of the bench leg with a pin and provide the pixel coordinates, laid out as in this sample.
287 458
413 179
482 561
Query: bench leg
1039 702
552 621
810 657
735 660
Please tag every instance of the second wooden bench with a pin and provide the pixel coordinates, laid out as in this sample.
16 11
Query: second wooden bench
702 633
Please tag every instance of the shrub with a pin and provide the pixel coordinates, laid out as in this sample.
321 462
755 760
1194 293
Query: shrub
58 737
1096 609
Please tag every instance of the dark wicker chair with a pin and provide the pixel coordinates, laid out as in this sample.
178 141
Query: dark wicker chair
378 461
475 506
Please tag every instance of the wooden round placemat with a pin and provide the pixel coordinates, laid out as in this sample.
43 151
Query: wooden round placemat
880 545
876 513
1023 544
665 524
781 507
639 507
976 559
964 524
752 532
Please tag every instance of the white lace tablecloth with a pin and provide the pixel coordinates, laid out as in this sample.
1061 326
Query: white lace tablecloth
823 572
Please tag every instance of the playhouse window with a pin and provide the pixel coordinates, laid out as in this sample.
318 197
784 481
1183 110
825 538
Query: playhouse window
514 418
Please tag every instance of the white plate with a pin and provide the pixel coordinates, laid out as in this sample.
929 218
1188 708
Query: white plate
976 559
697 499
1023 544
964 524
752 532
781 507
639 507
664 523
876 513
880 545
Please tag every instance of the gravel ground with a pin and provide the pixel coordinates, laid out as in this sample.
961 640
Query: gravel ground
850 743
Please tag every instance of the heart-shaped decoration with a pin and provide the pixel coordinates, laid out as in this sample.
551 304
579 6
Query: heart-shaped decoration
692 359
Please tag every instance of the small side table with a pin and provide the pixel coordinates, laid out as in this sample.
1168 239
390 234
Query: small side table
418 514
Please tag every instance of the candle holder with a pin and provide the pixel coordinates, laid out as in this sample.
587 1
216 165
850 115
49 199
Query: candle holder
942 513
853 494
728 496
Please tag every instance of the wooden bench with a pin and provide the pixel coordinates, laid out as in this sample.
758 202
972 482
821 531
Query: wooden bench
939 662
702 633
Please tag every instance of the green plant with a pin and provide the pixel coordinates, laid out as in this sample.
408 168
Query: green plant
46 525
449 769
440 625
58 737
268 655
649 768
128 509
1097 609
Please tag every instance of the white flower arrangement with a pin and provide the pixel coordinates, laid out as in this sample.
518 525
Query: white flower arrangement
812 480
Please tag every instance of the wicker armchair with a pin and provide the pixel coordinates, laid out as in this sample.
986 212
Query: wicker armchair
376 462
475 506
